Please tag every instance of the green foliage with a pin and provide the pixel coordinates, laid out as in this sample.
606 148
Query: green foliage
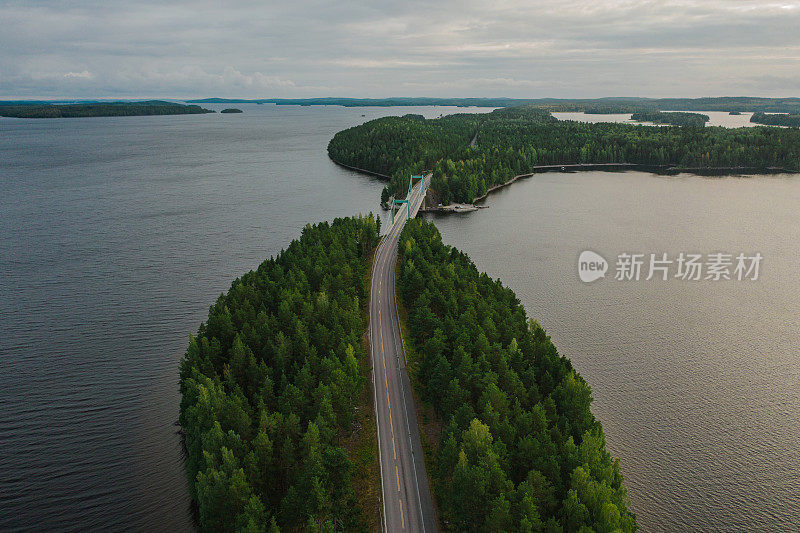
515 140
107 109
672 118
520 449
791 121
269 384
401 146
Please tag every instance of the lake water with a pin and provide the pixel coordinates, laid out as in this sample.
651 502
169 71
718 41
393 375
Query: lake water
696 382
118 233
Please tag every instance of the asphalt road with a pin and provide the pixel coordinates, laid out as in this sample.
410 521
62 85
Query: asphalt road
407 501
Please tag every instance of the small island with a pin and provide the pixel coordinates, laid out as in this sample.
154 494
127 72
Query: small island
231 110
97 109
671 118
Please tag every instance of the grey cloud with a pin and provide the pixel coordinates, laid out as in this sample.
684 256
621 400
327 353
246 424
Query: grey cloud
572 48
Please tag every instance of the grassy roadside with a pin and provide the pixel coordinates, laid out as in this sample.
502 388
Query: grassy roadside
429 423
362 443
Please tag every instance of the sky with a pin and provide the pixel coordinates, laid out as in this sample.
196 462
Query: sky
448 48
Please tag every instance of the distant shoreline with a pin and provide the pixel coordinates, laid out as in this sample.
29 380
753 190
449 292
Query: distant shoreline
669 170
606 105
87 110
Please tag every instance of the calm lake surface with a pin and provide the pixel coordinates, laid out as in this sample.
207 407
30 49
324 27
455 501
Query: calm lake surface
696 382
119 233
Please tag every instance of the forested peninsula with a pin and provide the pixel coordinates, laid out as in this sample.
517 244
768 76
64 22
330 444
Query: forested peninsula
270 386
98 109
518 449
275 394
514 141
791 121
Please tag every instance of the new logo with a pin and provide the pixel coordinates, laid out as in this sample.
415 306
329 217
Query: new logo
591 266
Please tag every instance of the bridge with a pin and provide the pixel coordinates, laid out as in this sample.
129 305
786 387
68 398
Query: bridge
406 496
410 196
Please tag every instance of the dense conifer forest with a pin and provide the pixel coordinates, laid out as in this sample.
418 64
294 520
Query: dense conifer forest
677 118
402 146
520 449
792 121
269 385
514 140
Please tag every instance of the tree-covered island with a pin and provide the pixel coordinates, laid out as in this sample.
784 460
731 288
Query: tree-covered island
516 140
98 109
674 118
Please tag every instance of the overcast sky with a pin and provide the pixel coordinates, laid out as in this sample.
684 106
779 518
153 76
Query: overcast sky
299 48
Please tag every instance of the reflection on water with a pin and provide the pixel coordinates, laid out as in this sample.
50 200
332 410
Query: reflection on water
695 382
118 234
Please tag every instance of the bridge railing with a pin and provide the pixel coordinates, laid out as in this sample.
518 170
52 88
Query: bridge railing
398 203
411 183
